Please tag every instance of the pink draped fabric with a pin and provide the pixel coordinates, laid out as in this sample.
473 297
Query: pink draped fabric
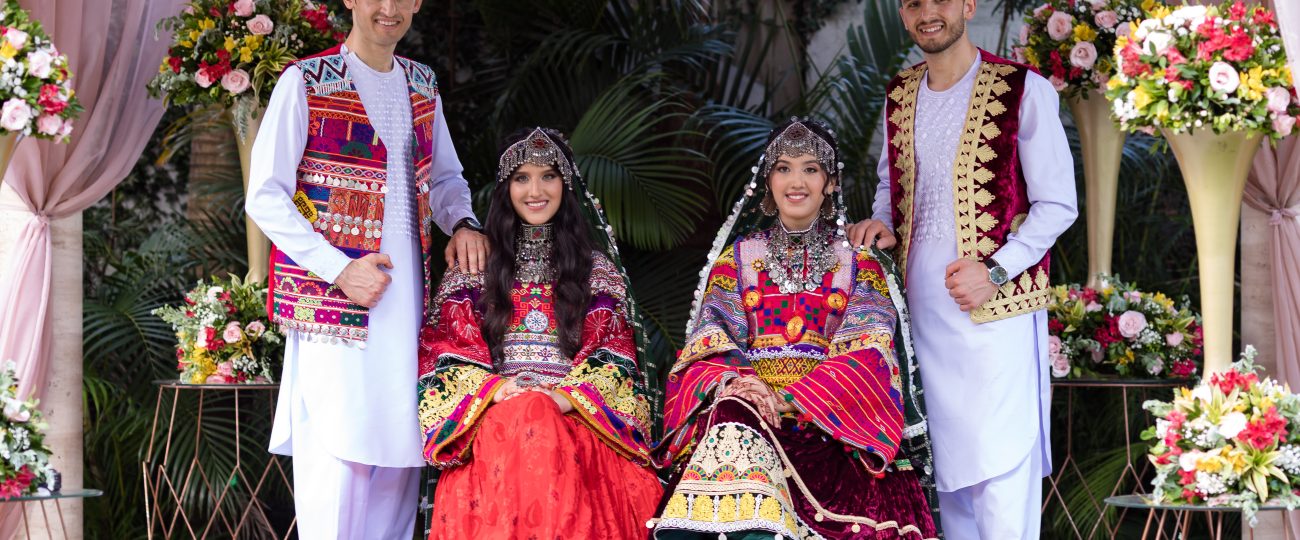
1274 188
114 49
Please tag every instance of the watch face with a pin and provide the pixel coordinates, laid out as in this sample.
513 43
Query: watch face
998 275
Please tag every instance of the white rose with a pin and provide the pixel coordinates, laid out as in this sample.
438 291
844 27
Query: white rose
48 124
39 64
15 115
1187 461
1201 393
1231 424
1278 99
1158 42
1224 78
16 38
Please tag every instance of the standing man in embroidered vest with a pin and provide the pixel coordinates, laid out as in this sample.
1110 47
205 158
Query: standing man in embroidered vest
977 182
352 167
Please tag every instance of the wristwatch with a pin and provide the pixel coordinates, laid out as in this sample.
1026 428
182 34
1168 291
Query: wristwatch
469 222
997 274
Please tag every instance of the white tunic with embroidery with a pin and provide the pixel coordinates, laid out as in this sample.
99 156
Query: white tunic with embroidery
358 400
986 385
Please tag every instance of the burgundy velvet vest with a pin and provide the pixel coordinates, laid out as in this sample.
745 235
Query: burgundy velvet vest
990 196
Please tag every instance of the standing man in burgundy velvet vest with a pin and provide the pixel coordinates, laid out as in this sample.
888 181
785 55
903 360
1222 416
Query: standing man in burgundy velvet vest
977 182
352 167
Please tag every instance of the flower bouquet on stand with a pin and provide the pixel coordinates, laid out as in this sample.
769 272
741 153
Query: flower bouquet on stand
222 334
1069 41
1232 441
1120 331
24 458
35 84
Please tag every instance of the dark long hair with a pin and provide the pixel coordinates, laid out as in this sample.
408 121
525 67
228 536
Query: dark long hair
572 260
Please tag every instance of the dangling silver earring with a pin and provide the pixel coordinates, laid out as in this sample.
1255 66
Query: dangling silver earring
768 205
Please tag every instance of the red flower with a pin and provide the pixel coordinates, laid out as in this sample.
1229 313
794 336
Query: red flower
175 63
1241 46
1265 431
319 18
211 334
1055 327
213 11
1089 295
49 99
1264 16
1186 478
1175 57
1133 64
1238 11
1183 368
180 353
1190 495
1229 380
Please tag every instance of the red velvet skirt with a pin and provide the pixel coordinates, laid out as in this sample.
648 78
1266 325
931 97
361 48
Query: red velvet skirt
536 473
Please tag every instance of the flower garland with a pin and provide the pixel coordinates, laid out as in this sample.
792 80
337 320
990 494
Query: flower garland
35 83
222 334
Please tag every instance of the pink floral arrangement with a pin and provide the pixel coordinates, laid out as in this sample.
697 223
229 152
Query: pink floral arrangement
36 95
1219 67
24 458
1118 330
1069 41
231 52
222 334
1230 441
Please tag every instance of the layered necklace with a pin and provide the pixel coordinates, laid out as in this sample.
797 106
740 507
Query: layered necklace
797 260
533 247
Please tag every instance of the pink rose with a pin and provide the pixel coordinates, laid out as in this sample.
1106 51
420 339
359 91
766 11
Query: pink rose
1106 19
1131 323
1175 339
1278 99
1100 78
1060 26
261 380
1123 30
1040 10
243 8
1053 345
40 64
1024 34
235 81
15 114
255 328
66 130
1084 55
203 79
226 369
15 413
1092 307
1283 124
1224 78
232 333
1057 83
1018 54
215 379
16 38
260 25
1060 365
48 124
1156 367
1097 4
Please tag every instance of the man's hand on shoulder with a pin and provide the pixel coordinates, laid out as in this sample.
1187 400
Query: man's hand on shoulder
862 233
363 281
969 284
469 249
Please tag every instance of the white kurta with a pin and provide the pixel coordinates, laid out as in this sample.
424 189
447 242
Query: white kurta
986 385
360 401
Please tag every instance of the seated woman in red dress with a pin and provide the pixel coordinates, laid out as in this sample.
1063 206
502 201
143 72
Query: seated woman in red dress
531 399
794 410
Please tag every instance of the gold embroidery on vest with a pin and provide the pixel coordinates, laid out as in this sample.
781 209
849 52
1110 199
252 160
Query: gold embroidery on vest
904 119
969 173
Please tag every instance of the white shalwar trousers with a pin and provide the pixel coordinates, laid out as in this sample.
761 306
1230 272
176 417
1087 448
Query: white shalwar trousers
344 500
1006 507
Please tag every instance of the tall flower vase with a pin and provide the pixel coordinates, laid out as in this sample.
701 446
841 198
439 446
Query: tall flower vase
8 141
1103 146
247 120
1214 168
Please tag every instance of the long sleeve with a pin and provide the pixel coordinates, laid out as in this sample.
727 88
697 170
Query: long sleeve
712 355
1048 169
604 385
449 195
273 178
855 396
456 381
881 207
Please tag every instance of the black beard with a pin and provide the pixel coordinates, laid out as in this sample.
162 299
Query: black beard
958 30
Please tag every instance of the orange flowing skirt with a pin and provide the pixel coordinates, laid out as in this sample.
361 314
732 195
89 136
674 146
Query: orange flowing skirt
536 473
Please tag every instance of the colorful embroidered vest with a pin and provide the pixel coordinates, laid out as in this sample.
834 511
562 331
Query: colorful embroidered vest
990 197
342 188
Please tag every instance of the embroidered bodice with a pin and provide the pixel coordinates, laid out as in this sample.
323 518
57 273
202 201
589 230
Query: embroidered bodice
531 346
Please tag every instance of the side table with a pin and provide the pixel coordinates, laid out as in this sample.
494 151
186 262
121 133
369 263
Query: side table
1068 469
175 482
44 502
1181 517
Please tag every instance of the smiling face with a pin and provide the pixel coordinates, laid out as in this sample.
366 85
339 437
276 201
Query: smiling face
381 22
935 25
799 185
536 192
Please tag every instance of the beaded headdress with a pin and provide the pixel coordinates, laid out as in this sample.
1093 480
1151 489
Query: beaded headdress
538 149
797 140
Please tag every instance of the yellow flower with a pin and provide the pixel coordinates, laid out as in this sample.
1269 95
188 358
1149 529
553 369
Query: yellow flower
1161 12
253 42
7 51
1141 98
245 54
187 43
194 35
1031 55
1121 42
1114 83
163 67
207 24
231 43
1148 5
1286 74
1252 84
1127 358
1083 32
1237 458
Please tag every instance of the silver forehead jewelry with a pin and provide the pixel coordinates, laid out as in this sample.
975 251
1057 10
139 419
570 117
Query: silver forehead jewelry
796 140
538 149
